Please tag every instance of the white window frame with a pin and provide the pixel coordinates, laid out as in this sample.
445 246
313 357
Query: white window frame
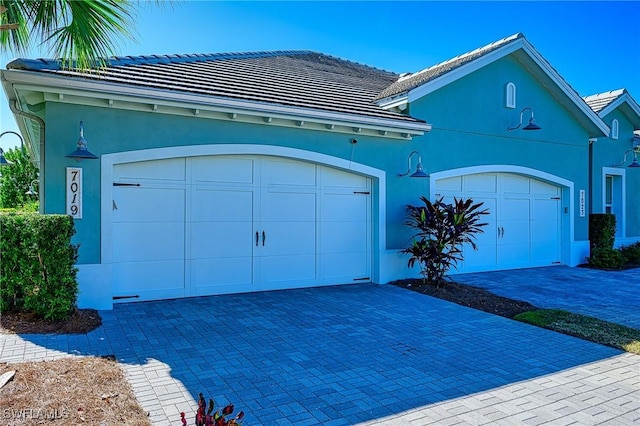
618 194
510 95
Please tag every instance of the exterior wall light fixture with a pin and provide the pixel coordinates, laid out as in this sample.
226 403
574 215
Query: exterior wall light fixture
82 152
31 190
419 170
635 150
532 123
3 160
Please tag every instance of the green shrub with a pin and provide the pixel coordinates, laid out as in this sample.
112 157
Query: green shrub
631 253
16 180
37 268
606 258
602 230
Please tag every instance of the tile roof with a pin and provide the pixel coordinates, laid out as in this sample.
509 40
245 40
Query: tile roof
600 101
293 78
411 81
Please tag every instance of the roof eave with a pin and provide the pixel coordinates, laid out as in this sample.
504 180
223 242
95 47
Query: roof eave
63 85
619 101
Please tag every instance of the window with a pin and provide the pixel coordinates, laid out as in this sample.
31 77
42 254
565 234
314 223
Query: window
608 194
614 129
613 197
510 95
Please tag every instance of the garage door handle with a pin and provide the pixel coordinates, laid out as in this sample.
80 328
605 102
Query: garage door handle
264 237
257 238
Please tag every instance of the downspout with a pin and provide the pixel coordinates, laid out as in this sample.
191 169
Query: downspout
14 108
591 142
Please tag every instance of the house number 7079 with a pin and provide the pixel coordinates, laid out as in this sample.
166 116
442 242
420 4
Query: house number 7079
74 192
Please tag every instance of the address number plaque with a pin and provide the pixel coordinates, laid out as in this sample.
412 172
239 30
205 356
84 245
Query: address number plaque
74 192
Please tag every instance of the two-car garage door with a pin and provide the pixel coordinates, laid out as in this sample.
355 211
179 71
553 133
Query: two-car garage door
523 225
228 224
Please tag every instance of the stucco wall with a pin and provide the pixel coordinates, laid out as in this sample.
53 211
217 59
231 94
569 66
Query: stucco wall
111 130
470 123
608 152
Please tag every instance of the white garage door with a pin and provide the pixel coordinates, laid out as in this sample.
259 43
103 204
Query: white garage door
229 224
524 221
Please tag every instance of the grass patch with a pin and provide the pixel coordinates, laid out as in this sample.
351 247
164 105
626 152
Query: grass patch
585 327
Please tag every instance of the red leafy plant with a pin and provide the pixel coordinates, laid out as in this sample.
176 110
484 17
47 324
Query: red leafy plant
207 417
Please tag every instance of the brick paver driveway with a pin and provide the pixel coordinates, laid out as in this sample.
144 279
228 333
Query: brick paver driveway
353 354
609 295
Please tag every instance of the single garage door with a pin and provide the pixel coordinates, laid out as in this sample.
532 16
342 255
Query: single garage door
229 224
524 220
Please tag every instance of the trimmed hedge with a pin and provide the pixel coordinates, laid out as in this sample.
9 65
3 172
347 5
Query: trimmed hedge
37 264
602 230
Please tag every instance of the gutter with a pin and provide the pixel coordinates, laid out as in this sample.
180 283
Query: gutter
29 80
13 106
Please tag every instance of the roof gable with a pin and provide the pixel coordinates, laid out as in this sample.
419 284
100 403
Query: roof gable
411 81
606 102
412 87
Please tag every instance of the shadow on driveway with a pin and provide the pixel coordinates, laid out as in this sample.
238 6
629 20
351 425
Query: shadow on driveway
332 355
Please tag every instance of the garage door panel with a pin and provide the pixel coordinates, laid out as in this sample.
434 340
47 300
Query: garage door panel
452 184
209 274
343 237
139 204
340 207
484 182
486 254
223 169
222 239
343 179
222 205
544 188
288 173
172 169
282 238
141 241
338 268
288 271
149 276
516 184
288 207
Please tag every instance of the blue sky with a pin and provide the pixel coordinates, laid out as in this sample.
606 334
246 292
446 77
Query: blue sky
595 46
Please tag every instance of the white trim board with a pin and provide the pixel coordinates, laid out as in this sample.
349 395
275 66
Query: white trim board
615 171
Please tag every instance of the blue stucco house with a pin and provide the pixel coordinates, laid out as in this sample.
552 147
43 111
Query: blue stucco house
226 173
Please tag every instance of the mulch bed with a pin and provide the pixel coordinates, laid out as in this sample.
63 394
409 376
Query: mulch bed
472 297
82 321
69 391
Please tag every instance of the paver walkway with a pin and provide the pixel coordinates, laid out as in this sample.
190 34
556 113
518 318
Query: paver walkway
609 295
349 355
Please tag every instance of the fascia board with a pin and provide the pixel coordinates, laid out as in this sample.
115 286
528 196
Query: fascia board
622 99
56 84
393 101
499 53
462 71
566 89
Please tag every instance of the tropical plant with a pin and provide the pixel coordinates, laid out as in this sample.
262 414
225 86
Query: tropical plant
17 179
206 417
80 33
441 231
